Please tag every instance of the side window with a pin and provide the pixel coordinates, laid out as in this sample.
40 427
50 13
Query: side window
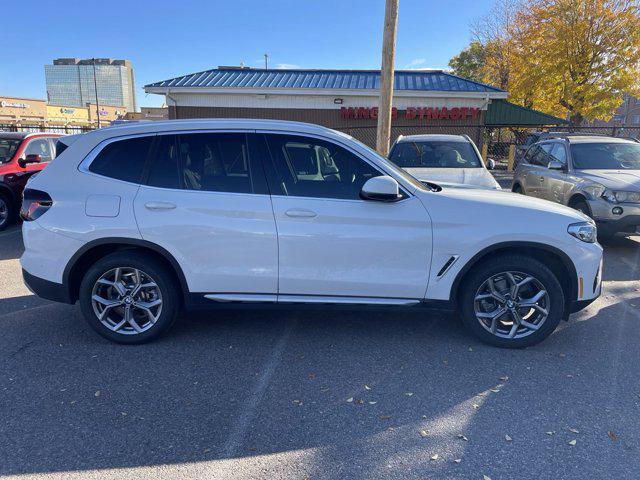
531 154
309 167
559 153
164 168
123 159
215 162
541 155
40 146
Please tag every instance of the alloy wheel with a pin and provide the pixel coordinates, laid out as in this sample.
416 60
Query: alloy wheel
4 212
127 300
512 304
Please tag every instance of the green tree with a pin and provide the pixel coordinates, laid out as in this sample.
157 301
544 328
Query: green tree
470 62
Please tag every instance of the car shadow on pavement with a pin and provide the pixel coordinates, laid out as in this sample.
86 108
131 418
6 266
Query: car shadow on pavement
11 244
348 391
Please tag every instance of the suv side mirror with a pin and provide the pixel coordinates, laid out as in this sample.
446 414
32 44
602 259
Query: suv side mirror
382 189
555 165
491 164
31 158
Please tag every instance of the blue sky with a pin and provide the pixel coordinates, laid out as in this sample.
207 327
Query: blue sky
165 38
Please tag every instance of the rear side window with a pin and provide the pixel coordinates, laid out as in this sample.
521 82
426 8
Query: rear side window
123 159
215 162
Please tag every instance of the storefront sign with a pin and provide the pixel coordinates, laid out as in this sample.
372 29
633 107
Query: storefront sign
414 113
4 103
67 110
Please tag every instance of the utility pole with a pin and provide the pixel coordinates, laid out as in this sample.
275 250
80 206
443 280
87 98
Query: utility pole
266 65
386 76
95 87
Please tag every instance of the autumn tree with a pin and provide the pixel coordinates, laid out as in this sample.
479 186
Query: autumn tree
575 57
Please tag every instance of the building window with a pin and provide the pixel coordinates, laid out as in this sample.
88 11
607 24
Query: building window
635 120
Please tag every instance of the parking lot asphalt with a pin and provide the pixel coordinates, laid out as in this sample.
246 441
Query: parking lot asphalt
319 394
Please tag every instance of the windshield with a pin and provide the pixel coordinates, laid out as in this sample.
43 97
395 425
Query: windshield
435 154
8 147
394 168
606 156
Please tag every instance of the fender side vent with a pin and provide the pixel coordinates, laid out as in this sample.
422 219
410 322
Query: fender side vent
447 265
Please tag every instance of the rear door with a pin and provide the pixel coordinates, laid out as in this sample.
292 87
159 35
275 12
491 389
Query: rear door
205 200
557 183
537 159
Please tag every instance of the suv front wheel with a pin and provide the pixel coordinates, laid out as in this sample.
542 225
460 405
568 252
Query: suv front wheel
128 297
511 301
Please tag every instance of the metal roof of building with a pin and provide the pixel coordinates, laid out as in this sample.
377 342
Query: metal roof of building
502 113
416 80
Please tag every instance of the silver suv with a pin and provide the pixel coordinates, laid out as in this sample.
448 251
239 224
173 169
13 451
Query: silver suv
600 176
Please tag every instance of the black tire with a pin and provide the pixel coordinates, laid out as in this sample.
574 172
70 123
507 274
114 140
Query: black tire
7 213
510 263
164 280
517 189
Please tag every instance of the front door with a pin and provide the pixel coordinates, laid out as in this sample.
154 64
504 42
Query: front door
333 243
206 202
557 184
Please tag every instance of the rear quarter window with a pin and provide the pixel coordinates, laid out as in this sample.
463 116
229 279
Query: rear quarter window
123 159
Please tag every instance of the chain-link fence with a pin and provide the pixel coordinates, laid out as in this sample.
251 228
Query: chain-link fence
503 142
367 134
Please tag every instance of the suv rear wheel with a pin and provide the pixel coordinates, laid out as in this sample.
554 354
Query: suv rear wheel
6 211
128 297
511 301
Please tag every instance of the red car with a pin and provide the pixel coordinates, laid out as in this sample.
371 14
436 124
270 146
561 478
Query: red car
22 154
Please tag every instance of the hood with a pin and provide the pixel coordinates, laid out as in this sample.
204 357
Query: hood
614 179
504 203
478 177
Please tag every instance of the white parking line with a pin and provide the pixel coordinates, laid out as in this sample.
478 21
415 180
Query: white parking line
234 442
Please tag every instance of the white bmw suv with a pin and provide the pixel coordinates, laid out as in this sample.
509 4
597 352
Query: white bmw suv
137 222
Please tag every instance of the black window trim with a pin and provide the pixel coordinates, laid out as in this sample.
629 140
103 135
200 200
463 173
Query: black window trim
403 189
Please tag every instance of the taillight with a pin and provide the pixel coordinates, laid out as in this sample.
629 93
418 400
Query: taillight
34 204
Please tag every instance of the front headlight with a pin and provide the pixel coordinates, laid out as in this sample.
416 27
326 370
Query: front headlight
620 196
585 231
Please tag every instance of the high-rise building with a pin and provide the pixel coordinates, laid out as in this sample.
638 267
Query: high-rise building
73 82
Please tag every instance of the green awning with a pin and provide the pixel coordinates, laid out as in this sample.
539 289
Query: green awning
502 113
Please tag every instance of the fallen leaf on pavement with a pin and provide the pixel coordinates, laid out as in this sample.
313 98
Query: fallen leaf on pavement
350 399
486 477
508 438
408 394
551 433
476 406
97 394
458 460
367 387
504 379
573 442
573 430
435 457
373 403
462 437
494 390
424 433
384 417
612 435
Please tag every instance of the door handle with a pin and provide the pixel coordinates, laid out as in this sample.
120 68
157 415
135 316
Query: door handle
301 213
542 179
157 206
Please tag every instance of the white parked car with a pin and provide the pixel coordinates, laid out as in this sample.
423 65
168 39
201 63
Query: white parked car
137 221
443 159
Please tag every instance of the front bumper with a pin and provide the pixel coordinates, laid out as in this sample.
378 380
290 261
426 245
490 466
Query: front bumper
46 289
608 222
